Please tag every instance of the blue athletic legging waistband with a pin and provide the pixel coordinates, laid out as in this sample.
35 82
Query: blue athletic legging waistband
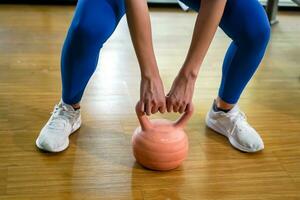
94 21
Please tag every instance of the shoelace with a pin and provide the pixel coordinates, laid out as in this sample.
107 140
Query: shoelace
239 119
59 113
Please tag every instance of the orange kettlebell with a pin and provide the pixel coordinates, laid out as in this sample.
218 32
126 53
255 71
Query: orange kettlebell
160 144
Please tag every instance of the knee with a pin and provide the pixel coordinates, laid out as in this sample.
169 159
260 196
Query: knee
257 37
92 30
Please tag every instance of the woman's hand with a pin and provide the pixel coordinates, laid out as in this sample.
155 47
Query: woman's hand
179 98
152 97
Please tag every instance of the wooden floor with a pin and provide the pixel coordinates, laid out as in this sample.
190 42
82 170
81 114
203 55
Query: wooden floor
99 162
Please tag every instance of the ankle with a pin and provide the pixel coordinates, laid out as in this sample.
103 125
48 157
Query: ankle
222 105
76 106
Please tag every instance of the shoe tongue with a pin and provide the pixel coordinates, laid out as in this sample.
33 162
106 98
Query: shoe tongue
67 107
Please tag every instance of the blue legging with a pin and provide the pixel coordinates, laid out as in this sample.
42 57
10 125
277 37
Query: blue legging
244 21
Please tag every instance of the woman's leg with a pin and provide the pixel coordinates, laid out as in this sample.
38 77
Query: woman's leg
246 23
93 23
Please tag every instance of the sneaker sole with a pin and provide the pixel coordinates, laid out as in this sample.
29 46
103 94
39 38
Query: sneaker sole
232 141
75 127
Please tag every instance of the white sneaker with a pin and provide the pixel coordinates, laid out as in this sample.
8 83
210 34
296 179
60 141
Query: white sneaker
235 127
54 137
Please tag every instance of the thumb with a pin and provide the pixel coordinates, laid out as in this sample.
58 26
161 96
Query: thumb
168 94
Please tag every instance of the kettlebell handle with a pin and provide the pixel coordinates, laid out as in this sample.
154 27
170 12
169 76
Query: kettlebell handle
180 123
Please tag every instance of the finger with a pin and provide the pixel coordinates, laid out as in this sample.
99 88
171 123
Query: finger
148 108
140 107
162 108
176 107
171 108
154 108
182 108
169 105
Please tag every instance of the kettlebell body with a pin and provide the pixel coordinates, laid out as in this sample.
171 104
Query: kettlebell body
160 144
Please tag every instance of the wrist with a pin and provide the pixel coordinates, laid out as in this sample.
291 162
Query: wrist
188 74
150 74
